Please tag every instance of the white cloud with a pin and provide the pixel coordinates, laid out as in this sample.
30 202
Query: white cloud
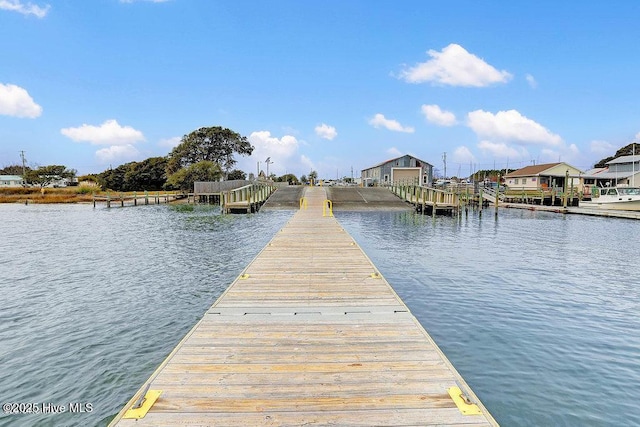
435 115
307 163
270 146
108 133
573 149
326 131
380 121
170 142
454 66
281 151
118 153
503 150
393 151
25 9
510 126
570 154
532 81
16 101
462 154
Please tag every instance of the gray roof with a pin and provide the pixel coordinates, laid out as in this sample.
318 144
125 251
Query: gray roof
394 159
594 171
613 175
10 178
625 159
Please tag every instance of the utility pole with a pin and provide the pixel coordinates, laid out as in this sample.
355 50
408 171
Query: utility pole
444 160
633 165
268 162
24 161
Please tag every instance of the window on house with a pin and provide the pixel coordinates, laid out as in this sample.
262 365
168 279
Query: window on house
524 181
515 181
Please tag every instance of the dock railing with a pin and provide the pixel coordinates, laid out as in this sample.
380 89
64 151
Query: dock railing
426 197
134 198
247 199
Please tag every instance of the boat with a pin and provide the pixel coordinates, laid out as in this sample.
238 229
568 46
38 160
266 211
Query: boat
615 198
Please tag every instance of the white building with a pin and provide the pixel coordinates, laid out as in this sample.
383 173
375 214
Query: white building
7 181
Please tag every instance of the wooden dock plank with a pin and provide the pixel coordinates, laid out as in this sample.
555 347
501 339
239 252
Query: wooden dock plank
405 418
309 333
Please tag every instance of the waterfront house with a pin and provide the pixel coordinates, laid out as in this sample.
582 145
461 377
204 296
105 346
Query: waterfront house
623 170
7 181
545 176
406 169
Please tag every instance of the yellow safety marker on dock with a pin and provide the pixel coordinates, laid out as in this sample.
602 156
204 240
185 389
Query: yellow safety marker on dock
309 333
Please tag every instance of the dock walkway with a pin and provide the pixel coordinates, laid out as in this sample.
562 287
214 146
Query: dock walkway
309 333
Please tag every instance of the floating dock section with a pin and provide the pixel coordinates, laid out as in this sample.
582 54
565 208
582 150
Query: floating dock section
309 334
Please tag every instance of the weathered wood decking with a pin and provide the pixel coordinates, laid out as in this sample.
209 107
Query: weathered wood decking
309 334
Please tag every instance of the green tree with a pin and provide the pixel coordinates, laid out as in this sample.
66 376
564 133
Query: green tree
184 178
149 174
215 144
90 177
627 150
236 174
45 175
303 179
313 176
113 179
290 178
13 170
491 174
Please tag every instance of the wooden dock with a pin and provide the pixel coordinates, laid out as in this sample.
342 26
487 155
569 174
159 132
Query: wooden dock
246 199
427 199
134 199
309 333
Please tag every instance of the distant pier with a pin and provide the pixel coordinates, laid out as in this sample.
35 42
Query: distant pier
135 198
309 334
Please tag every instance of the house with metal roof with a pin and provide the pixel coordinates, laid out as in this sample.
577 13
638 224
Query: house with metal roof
542 177
623 170
405 169
7 181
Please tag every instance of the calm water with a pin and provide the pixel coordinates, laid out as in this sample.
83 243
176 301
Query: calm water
537 311
94 300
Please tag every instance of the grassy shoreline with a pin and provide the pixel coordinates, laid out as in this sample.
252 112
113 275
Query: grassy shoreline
59 195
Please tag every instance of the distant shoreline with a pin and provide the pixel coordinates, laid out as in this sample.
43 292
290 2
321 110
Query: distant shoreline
68 195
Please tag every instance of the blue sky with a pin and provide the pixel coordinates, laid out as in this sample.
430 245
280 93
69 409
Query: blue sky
324 85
